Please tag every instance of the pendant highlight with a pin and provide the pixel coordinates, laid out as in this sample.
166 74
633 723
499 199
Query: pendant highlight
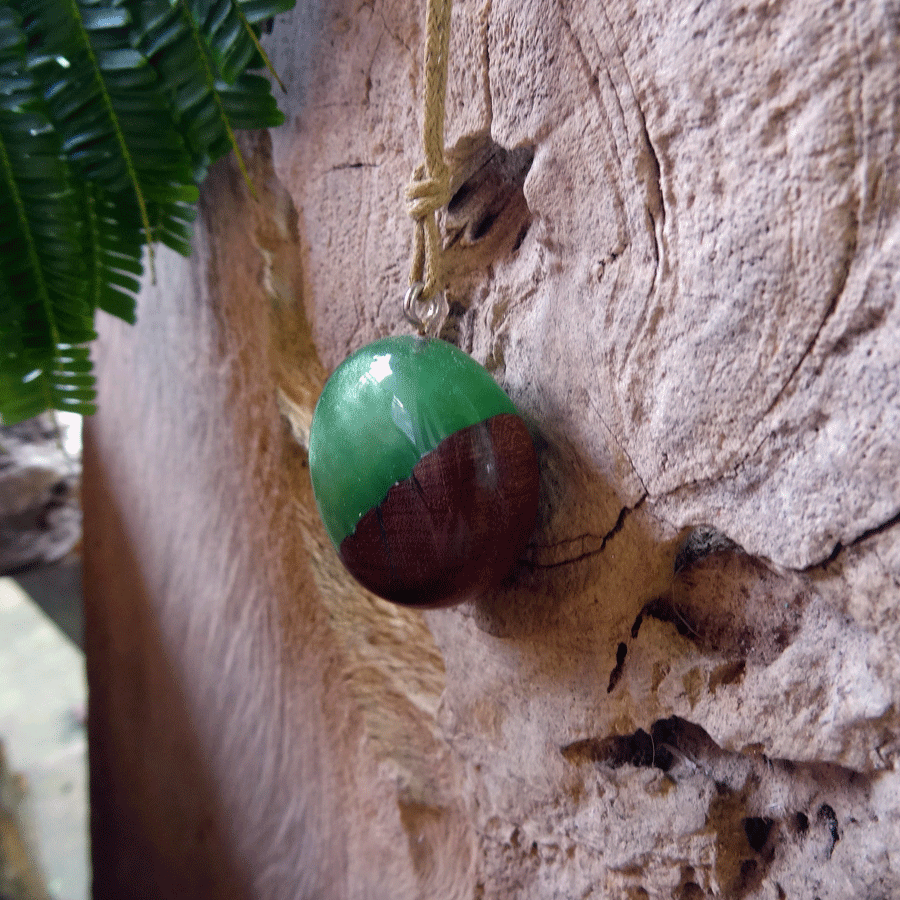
424 473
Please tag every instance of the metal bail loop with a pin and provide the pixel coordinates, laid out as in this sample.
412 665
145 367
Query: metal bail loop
425 315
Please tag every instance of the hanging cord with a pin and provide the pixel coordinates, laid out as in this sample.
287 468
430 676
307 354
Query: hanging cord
429 189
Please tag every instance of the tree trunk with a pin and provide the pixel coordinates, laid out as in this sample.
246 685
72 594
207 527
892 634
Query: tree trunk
673 240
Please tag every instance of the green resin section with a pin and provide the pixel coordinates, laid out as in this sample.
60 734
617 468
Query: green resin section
382 410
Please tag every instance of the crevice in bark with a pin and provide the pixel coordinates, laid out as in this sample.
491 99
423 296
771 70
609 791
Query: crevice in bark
616 674
485 17
840 547
585 554
728 603
760 810
353 165
655 206
829 312
647 166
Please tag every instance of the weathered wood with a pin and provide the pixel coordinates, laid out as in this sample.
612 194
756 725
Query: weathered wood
674 241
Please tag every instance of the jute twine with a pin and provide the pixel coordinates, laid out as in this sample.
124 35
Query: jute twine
429 189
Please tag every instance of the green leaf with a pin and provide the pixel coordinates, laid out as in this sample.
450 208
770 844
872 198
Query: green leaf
259 10
189 68
241 11
116 60
113 247
43 294
225 40
108 104
98 19
111 112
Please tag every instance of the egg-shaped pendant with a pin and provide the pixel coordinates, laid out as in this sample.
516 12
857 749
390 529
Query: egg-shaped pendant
424 473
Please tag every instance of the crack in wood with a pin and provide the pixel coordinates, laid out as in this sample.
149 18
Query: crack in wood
340 167
594 406
616 528
840 547
616 675
593 80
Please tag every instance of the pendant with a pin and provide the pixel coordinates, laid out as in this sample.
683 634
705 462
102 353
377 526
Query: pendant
424 473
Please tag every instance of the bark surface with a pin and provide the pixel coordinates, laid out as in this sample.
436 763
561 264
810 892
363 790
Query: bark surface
673 240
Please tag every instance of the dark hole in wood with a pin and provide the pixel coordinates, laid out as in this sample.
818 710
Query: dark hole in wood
828 818
701 542
757 830
664 610
460 197
616 674
490 197
636 627
483 226
617 751
748 873
668 739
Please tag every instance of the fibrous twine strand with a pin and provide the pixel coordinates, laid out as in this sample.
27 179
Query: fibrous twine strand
429 189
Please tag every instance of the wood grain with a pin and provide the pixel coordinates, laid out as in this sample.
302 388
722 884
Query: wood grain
455 527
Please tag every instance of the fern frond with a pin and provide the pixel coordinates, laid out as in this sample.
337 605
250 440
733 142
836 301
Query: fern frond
271 9
107 103
113 250
65 383
173 225
111 112
174 40
203 50
228 31
43 295
224 36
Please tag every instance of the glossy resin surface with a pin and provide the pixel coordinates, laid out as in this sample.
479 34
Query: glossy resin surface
424 473
381 411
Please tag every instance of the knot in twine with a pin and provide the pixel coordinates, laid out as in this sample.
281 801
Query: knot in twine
429 189
425 195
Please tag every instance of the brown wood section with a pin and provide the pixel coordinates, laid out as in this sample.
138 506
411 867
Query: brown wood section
224 750
181 630
457 525
259 726
156 824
